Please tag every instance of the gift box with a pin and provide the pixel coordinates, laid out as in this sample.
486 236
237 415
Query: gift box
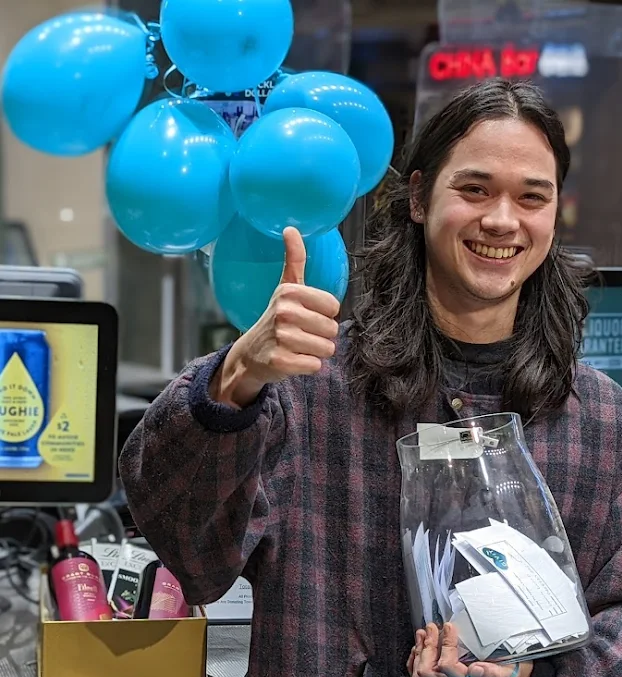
158 648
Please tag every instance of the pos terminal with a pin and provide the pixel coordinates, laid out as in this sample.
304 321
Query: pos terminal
58 362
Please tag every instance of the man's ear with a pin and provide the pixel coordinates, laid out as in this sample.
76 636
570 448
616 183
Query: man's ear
416 210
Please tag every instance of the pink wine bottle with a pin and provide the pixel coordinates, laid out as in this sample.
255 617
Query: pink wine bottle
76 581
159 594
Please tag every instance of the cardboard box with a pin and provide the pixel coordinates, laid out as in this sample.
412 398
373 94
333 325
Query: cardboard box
140 648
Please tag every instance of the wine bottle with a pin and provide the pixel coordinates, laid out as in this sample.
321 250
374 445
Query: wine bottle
159 594
76 581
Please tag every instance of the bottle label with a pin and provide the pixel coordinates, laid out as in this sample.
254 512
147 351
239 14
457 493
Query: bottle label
80 591
167 600
124 586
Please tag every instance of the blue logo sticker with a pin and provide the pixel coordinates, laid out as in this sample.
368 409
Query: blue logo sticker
499 560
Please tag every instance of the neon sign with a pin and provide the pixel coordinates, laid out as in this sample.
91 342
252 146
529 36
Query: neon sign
549 61
483 63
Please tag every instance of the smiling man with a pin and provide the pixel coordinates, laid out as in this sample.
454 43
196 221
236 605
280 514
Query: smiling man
275 458
489 224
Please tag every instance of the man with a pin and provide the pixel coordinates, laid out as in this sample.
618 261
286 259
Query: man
275 458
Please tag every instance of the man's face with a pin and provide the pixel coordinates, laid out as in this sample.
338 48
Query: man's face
491 218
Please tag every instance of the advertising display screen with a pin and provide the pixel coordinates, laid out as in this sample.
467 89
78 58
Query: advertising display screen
58 361
48 393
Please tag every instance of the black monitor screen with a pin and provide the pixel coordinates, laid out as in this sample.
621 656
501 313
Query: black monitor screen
602 336
58 363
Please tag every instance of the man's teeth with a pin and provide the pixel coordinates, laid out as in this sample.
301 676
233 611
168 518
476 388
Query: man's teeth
492 252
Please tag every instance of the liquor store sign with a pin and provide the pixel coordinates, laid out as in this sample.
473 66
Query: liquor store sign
447 63
602 341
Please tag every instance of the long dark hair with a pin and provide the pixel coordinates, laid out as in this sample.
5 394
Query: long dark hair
395 351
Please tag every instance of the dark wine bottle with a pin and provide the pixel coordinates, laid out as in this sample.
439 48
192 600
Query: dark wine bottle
159 594
76 581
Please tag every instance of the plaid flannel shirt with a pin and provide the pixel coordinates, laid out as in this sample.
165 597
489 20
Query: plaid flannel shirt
299 493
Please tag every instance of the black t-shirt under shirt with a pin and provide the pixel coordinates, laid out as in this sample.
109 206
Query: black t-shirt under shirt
475 368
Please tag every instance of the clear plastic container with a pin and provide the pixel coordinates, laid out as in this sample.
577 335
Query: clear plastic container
484 545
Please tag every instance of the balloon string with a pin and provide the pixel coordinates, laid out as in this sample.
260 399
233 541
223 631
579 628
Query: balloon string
169 91
238 125
257 102
139 22
199 93
153 33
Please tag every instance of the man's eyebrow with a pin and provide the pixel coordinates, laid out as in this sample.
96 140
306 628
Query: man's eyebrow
471 174
478 175
540 183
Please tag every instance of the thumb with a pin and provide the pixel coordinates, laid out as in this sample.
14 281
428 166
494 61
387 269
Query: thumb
295 257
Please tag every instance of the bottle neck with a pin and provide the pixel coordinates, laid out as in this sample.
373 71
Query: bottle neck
65 535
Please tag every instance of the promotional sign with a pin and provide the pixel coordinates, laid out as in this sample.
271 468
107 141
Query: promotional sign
239 109
48 395
602 336
234 607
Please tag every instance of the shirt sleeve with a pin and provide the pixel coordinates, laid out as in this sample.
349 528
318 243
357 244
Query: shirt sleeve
603 656
197 475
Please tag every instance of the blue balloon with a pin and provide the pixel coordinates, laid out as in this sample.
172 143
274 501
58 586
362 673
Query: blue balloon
227 45
354 106
71 84
246 267
167 179
295 167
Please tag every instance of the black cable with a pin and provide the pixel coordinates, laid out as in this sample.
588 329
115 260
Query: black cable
20 555
20 589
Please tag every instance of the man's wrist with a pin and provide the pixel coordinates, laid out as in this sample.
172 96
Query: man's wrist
233 385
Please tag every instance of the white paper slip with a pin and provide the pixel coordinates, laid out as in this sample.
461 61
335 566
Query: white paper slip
524 641
440 584
468 637
494 609
534 575
446 578
457 605
410 573
502 531
439 593
423 568
524 644
531 641
542 586
448 562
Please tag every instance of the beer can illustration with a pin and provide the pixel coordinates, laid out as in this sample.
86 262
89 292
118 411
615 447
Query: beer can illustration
24 396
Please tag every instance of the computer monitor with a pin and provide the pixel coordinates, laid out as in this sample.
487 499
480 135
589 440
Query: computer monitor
58 363
602 335
40 282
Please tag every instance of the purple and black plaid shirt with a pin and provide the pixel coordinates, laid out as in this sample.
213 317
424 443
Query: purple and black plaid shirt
300 493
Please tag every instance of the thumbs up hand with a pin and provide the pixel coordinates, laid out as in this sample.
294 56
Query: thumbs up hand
293 336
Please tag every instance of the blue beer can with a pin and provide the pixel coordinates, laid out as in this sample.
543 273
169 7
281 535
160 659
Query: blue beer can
24 396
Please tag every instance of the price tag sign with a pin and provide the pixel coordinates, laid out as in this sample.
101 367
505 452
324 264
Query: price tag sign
63 443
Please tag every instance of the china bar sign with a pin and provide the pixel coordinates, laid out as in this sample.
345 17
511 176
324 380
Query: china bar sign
446 63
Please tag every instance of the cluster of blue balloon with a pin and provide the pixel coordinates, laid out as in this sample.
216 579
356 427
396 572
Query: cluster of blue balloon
177 178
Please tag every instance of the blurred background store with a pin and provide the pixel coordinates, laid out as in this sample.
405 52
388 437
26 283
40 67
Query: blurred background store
414 54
